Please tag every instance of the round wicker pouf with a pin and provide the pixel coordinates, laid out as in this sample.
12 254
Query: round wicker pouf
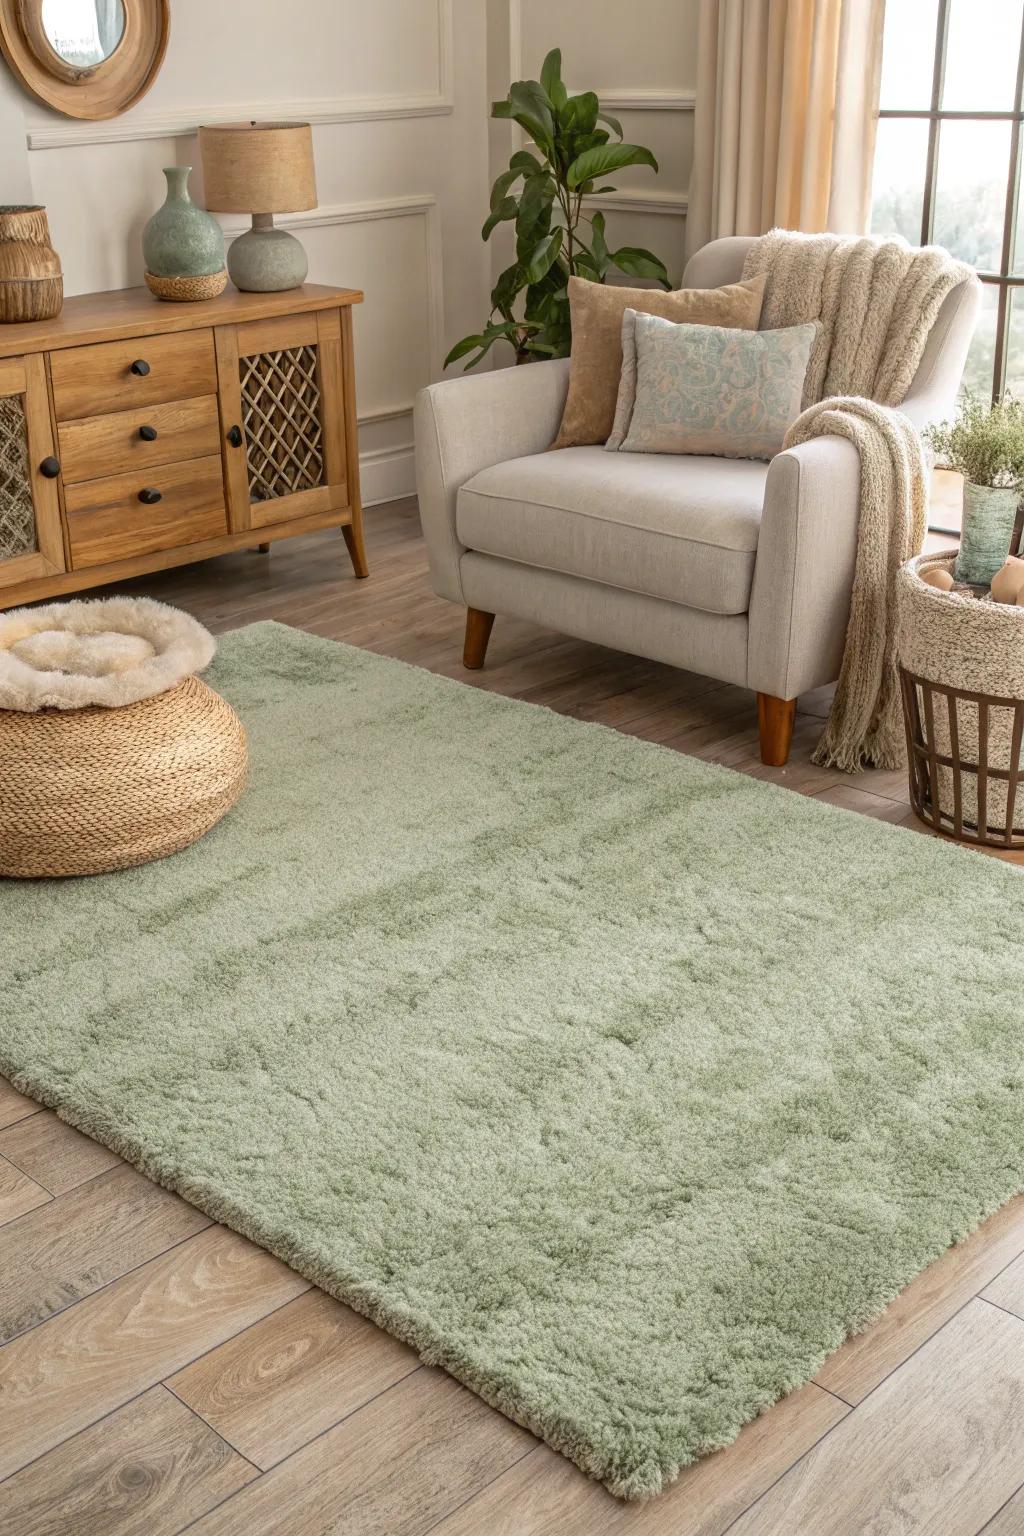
85 791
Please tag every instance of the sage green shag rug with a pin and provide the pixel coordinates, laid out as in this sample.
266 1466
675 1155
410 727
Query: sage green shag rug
622 1086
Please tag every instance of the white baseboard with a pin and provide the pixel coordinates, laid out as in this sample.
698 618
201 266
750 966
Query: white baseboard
387 474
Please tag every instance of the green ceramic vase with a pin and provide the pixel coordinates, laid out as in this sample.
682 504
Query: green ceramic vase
989 514
180 239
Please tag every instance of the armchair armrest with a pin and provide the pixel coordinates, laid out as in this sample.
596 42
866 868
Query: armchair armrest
464 425
803 574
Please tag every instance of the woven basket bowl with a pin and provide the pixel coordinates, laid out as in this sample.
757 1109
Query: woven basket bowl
85 791
188 290
974 647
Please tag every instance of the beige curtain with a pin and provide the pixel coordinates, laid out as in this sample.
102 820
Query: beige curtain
784 126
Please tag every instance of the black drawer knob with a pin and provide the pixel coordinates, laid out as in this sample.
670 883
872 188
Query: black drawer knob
148 434
149 496
140 367
50 467
235 436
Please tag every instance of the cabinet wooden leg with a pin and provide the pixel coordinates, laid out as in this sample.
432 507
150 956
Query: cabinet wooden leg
354 541
478 632
263 549
775 723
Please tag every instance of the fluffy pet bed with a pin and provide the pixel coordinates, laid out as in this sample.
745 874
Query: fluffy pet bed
111 651
111 752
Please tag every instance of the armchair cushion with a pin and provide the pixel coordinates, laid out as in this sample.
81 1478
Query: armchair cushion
681 529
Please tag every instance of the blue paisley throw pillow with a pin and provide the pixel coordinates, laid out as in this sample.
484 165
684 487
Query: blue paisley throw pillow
703 389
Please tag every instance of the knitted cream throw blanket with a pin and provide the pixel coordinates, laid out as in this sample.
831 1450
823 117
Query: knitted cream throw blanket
876 302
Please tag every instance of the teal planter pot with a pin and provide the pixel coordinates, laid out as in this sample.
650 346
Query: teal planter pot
183 245
989 514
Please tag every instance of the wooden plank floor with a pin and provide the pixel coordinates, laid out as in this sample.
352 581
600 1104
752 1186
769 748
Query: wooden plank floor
160 1374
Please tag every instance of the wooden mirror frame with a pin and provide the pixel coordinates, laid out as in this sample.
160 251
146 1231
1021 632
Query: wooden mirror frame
108 88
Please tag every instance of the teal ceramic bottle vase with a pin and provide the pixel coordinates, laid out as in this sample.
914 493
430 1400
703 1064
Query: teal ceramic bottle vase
990 512
183 245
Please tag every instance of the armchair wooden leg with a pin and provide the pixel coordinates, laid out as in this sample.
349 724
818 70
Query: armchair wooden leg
478 632
775 723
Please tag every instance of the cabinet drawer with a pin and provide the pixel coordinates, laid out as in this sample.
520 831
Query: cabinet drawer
106 445
89 381
107 521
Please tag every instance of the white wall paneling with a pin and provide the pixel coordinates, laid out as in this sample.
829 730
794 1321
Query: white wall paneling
331 45
397 94
399 330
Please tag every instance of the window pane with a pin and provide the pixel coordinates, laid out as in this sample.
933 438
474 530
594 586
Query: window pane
897 188
981 55
1015 345
970 191
908 54
981 357
1017 262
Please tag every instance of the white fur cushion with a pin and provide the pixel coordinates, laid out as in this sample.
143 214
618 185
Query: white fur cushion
110 651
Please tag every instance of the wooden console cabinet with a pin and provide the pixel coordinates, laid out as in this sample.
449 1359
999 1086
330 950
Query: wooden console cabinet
136 434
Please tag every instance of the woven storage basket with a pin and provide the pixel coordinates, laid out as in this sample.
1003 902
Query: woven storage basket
85 791
962 675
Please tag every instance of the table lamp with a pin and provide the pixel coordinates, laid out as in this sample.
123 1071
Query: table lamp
261 169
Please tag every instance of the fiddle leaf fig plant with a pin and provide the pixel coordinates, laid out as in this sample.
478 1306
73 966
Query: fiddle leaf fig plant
542 194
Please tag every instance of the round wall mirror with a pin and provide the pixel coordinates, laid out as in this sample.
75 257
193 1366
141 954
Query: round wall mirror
83 33
85 58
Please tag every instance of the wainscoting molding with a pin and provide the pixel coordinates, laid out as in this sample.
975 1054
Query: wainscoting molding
623 100
385 474
63 134
627 201
415 206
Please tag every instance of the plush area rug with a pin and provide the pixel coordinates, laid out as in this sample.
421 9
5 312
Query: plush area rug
622 1086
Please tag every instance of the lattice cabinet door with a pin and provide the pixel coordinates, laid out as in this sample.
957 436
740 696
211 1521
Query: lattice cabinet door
31 537
283 410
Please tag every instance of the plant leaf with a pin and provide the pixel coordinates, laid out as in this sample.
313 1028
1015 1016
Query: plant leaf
522 160
608 157
501 186
507 209
532 110
579 114
639 263
551 77
467 344
542 257
613 122
598 246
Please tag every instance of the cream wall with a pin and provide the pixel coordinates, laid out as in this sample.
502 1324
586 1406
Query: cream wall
397 93
642 61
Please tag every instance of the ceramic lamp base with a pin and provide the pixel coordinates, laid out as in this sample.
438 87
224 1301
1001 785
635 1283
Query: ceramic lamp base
265 259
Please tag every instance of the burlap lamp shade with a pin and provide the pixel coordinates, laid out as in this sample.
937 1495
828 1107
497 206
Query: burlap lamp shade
261 169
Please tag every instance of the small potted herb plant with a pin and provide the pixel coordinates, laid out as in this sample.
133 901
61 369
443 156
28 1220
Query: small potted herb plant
985 444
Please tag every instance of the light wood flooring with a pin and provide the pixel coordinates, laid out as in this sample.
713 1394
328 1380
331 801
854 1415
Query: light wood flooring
159 1374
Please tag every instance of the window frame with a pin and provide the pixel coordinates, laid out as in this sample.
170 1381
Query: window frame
935 115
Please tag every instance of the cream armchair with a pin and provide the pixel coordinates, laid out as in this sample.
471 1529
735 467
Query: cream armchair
736 569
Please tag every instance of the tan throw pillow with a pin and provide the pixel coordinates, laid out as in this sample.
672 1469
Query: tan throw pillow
597 310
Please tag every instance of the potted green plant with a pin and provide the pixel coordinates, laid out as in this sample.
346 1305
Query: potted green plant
542 193
985 444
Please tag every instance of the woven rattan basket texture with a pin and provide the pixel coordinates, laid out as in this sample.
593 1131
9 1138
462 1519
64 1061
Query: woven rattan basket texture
84 791
962 674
